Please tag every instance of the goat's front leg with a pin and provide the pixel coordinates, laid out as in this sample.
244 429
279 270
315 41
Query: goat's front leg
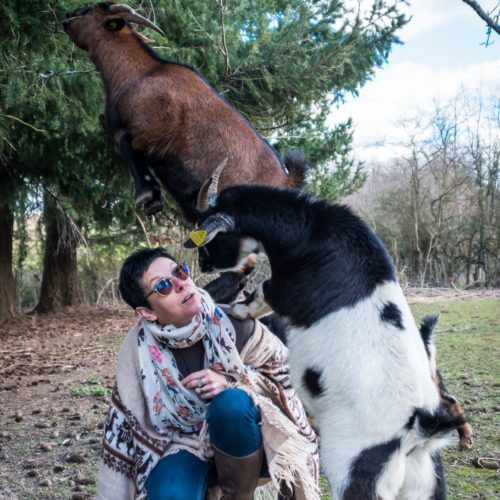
453 407
226 288
147 190
254 306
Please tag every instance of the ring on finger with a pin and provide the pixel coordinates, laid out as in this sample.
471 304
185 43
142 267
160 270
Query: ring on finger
200 383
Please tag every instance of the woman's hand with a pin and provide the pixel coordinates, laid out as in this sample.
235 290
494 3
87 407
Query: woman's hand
206 383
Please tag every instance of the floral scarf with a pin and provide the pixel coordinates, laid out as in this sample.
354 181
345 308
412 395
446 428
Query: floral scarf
171 405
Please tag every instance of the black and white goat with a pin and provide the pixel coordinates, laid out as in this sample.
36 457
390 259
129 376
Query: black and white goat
357 358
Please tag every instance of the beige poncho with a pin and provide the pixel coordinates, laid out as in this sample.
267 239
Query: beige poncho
132 448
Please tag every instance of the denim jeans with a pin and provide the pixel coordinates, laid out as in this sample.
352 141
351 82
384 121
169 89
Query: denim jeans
233 426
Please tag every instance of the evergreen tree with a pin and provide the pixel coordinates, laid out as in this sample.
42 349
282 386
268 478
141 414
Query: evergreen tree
283 64
51 142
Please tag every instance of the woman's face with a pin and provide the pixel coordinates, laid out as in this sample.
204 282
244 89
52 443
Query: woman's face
179 306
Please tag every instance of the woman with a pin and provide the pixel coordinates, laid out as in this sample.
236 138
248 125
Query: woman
202 401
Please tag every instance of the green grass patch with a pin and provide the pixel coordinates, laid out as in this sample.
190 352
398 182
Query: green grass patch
468 354
93 387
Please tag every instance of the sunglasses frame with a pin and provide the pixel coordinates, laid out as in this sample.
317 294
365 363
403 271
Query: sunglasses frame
182 269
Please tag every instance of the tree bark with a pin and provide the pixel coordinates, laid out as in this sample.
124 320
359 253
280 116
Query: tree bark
59 277
489 20
8 294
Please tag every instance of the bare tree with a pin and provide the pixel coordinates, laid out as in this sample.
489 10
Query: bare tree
437 206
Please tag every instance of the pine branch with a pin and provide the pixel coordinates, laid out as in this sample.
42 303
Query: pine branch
15 118
224 41
143 227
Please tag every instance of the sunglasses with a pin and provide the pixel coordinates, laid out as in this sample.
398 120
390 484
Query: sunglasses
165 285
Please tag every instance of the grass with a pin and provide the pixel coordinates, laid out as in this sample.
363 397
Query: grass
94 387
468 350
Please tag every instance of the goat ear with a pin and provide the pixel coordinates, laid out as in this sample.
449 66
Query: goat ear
207 231
143 39
115 24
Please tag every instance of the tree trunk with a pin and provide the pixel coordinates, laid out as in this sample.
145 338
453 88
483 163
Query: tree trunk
8 294
59 283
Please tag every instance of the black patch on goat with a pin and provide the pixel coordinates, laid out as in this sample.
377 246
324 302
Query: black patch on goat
391 314
439 492
367 468
179 182
440 421
427 326
311 381
316 239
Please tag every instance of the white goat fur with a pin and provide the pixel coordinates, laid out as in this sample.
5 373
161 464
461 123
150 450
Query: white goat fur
373 374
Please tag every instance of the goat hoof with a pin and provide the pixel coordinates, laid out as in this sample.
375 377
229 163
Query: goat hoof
240 311
153 206
143 197
465 443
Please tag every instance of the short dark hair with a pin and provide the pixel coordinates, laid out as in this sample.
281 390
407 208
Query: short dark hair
133 269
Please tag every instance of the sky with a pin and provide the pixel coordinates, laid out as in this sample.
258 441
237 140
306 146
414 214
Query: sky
442 54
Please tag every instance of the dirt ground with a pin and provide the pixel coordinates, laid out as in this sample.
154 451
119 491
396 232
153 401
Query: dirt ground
426 295
56 371
50 417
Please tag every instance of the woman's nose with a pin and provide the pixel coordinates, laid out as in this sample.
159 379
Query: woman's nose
178 284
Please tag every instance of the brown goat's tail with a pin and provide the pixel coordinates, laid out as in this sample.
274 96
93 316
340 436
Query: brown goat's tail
295 163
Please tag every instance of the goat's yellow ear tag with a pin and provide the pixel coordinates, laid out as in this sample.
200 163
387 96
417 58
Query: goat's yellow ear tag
198 237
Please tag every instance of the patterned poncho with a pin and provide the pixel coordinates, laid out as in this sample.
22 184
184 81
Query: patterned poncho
133 442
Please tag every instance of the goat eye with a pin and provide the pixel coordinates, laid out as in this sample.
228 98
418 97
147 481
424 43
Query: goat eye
114 24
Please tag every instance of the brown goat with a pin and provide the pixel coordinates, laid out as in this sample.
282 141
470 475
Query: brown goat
164 117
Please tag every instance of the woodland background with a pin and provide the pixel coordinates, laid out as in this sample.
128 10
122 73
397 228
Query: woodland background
67 217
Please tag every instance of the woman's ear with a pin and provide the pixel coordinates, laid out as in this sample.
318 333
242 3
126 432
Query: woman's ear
146 313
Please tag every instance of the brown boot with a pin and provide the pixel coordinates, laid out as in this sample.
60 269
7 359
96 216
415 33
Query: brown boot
238 476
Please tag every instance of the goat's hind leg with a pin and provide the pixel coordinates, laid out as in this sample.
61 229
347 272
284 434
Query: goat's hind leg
147 190
424 477
156 203
439 492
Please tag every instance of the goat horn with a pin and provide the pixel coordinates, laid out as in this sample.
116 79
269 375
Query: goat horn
132 16
214 185
208 191
219 222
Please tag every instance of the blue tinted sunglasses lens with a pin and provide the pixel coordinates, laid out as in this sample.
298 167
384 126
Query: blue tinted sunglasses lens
181 272
163 287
